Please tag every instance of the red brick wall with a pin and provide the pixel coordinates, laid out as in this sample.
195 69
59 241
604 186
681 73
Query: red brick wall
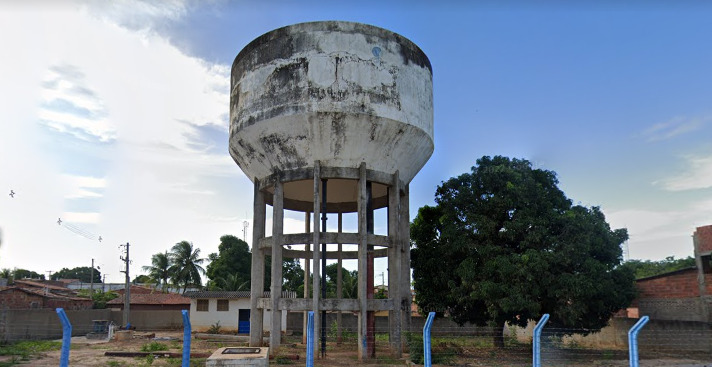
704 239
15 299
680 285
69 304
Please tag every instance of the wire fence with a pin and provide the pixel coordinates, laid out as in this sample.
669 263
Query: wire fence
660 342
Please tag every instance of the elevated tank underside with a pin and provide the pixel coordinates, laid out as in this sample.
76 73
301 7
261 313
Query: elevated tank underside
335 92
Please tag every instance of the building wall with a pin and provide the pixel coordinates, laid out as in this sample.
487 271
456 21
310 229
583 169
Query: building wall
16 299
679 285
203 320
704 239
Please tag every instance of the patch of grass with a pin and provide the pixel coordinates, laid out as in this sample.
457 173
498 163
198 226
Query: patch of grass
114 364
154 347
197 362
174 361
24 351
282 360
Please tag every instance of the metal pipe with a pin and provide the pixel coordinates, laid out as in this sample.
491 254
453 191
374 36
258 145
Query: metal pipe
310 339
186 339
323 266
427 358
66 337
536 345
633 341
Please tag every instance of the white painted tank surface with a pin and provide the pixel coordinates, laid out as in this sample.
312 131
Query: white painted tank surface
339 93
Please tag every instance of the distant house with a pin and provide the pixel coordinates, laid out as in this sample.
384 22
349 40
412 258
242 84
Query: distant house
28 297
231 309
151 301
683 295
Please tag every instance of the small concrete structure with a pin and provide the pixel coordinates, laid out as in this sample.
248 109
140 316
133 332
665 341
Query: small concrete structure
232 356
332 118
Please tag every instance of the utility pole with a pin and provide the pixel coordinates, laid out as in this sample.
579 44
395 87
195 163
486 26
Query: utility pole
91 286
127 292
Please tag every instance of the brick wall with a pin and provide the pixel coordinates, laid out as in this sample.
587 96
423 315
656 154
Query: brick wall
681 284
14 299
704 239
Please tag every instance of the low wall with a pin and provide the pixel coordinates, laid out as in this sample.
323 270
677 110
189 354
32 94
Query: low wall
441 326
16 325
655 335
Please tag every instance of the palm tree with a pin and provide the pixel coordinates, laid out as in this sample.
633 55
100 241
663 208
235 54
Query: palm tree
159 271
232 282
185 267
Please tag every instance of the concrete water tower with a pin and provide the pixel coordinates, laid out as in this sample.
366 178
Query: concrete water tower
332 117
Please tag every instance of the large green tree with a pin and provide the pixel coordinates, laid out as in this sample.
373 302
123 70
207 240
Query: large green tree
229 268
159 270
649 268
83 273
186 265
19 274
505 245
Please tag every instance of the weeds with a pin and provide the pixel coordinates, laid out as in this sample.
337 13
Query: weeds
215 328
24 351
154 347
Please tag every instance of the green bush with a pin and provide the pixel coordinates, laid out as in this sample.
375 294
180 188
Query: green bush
153 347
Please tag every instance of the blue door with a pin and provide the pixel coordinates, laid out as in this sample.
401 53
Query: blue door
243 321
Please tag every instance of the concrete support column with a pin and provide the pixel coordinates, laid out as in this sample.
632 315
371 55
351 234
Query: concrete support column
394 265
362 263
317 253
405 259
307 260
257 282
275 336
339 282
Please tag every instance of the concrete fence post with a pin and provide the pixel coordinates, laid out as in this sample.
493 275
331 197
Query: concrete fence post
633 341
536 342
427 358
66 337
186 339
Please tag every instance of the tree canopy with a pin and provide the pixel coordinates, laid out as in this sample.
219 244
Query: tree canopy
186 265
26 274
159 270
83 273
504 244
649 268
229 269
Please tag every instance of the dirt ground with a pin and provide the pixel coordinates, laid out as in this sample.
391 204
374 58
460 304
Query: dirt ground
91 353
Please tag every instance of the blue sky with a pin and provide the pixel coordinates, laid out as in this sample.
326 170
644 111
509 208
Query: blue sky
114 115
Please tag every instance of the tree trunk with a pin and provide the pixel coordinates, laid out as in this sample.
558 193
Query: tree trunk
498 336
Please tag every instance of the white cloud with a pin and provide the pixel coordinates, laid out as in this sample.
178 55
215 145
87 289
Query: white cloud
78 187
103 76
656 234
675 127
697 175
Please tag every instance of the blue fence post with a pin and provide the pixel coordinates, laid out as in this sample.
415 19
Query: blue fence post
633 341
427 358
310 339
536 345
66 337
186 339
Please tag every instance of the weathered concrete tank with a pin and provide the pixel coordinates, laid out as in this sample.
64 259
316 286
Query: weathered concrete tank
331 117
335 92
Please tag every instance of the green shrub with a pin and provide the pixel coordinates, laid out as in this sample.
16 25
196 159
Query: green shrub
153 347
215 328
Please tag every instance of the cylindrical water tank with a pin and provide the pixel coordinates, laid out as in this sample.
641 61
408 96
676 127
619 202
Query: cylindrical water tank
340 93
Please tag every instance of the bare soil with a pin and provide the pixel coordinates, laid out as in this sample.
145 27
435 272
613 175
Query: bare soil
90 353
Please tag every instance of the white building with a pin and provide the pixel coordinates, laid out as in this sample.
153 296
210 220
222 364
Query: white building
229 309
